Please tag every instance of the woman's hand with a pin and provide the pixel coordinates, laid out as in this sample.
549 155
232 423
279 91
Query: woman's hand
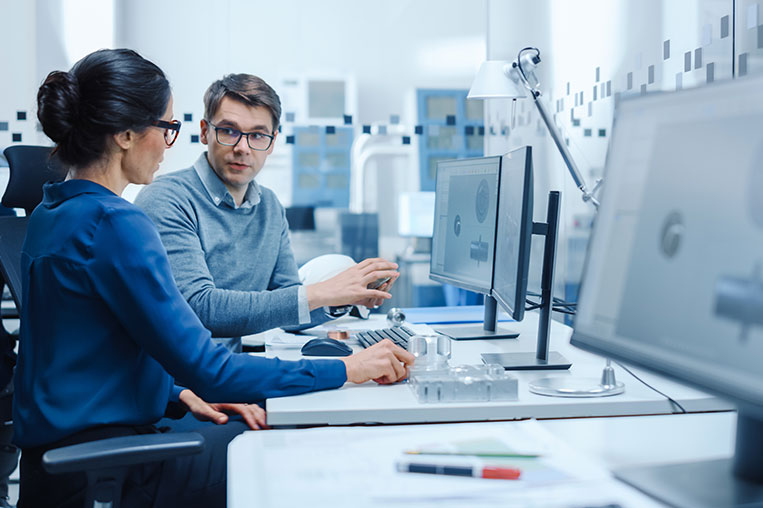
203 411
384 362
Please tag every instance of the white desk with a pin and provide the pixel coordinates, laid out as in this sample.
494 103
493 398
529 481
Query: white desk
354 466
371 403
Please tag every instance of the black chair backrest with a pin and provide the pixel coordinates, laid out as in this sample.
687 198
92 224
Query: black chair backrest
12 234
30 167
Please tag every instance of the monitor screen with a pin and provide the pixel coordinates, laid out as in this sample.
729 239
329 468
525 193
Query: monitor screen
674 275
514 237
463 242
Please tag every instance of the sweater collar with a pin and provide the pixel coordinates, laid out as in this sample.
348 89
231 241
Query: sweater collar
216 189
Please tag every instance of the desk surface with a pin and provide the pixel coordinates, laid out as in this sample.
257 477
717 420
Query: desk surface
302 469
371 403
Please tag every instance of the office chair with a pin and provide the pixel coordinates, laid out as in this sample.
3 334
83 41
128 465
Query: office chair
104 461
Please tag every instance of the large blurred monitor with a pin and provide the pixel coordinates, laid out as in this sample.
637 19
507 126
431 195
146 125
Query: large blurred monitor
674 276
463 241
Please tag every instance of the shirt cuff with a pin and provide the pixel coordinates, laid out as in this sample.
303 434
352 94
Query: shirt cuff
303 305
175 393
329 374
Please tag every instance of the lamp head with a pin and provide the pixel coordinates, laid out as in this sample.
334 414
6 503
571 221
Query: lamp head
496 79
527 61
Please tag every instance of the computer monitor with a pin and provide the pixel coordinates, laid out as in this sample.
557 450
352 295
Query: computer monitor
463 241
514 237
673 277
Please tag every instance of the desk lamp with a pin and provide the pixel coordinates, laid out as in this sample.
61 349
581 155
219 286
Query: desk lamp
498 79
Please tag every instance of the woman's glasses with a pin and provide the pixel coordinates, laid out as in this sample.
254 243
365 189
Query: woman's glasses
171 130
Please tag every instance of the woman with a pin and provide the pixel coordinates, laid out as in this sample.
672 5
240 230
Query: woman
105 335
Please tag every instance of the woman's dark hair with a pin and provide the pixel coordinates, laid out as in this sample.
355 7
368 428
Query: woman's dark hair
108 91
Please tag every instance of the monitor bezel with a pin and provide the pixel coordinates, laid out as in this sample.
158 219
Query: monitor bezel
525 236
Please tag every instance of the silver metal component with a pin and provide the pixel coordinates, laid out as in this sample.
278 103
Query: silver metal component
395 317
464 383
432 352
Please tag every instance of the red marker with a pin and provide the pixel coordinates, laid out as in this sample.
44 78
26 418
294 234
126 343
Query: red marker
492 472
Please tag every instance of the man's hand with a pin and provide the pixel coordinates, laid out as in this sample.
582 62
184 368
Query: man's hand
372 303
350 286
253 414
383 362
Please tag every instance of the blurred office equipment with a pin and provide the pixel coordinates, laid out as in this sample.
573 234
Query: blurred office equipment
301 218
499 79
321 166
415 214
380 148
319 98
359 235
451 128
671 281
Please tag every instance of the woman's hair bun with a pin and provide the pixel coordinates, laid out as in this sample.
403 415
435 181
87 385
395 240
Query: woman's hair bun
106 92
58 104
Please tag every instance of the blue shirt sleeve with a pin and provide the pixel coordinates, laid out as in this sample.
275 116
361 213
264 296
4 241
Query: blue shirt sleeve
130 271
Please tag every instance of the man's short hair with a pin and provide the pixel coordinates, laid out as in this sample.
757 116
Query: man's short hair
246 88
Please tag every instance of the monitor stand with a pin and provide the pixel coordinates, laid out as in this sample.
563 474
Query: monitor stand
735 482
541 359
488 330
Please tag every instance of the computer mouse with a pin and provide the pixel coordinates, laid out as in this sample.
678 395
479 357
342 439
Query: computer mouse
323 346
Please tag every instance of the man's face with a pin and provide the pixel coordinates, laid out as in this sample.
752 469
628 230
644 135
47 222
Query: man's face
237 165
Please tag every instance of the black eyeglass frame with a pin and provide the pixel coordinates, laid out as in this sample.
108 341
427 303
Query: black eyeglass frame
173 126
240 134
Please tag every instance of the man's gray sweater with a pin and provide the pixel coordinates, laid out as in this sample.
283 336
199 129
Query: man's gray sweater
234 265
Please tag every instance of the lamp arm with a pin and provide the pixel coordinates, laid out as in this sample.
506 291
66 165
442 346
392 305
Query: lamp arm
563 150
527 60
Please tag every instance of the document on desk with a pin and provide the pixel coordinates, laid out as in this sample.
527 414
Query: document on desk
356 466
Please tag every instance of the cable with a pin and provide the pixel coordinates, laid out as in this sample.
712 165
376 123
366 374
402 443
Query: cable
557 301
670 399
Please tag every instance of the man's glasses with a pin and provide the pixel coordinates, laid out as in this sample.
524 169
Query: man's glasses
171 130
229 136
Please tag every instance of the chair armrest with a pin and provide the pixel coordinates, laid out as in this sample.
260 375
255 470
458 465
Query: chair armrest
121 452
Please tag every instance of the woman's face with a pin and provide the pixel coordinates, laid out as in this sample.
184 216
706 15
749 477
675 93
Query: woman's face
142 160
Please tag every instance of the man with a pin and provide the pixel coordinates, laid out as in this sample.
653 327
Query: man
227 237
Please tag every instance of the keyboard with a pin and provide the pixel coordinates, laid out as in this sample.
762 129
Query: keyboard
399 335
